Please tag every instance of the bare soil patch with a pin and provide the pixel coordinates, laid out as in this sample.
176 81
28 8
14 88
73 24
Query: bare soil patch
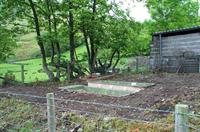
169 90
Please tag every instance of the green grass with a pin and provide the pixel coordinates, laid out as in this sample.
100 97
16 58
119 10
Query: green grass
18 116
26 50
31 73
27 47
33 68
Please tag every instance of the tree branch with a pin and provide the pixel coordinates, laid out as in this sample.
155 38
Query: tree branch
111 59
118 58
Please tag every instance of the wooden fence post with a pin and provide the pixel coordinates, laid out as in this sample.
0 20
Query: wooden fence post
181 118
51 113
137 64
22 73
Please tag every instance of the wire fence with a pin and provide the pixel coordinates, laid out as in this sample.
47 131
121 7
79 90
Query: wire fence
65 117
22 71
138 64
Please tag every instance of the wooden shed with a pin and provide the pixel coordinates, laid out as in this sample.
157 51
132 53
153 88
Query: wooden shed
176 50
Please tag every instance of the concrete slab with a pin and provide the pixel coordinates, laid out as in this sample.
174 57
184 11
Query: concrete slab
119 85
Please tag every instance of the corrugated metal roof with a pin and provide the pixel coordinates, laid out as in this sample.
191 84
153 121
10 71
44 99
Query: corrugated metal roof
193 29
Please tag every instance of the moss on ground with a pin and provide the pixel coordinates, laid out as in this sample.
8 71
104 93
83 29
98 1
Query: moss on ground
17 115
113 124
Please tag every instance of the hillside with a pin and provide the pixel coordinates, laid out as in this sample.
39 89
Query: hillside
26 53
27 47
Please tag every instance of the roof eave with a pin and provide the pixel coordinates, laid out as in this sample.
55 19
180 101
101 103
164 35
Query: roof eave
178 31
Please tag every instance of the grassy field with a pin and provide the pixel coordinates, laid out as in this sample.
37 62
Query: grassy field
27 49
33 68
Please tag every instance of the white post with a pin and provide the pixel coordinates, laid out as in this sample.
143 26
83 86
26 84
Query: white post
51 112
181 119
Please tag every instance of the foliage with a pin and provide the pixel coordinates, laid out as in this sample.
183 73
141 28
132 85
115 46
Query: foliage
8 77
172 14
7 44
106 35
69 24
106 31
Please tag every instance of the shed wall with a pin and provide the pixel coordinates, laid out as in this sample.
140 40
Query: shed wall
177 45
173 49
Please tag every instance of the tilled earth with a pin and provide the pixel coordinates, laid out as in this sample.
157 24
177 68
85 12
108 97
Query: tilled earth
169 90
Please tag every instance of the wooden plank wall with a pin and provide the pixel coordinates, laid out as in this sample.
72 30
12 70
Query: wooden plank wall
173 48
176 45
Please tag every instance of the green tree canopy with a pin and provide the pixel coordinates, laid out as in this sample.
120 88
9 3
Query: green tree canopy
171 14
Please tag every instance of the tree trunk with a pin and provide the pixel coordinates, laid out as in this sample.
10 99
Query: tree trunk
56 42
88 48
50 30
39 41
71 41
117 61
90 44
58 62
52 53
92 41
111 59
105 66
